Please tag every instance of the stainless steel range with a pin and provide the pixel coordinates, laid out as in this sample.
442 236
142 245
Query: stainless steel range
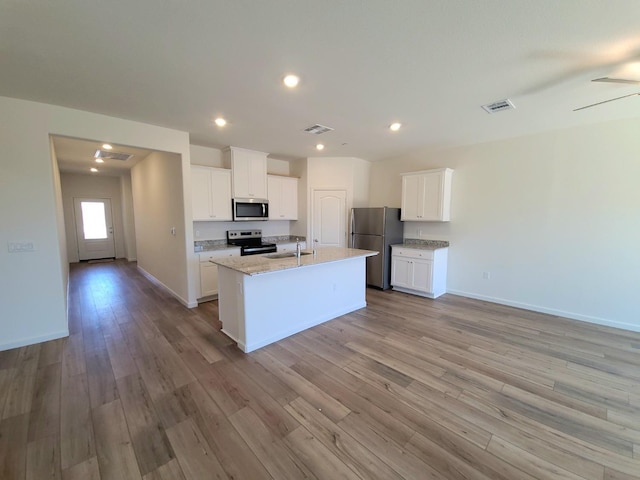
250 242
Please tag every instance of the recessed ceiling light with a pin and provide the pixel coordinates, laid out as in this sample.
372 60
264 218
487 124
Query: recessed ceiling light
394 127
106 146
320 146
221 122
94 170
99 160
291 81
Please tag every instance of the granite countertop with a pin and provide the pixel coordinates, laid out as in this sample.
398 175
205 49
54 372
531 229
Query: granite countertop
259 264
212 245
421 244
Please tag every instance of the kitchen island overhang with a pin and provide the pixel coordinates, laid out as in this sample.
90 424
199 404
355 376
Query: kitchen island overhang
262 300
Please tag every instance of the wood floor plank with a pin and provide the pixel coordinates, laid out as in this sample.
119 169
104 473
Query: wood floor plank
102 384
87 470
226 443
44 419
43 459
168 471
398 458
122 362
317 457
344 446
148 437
13 446
194 454
314 395
76 427
276 458
116 457
527 462
407 387
447 464
21 388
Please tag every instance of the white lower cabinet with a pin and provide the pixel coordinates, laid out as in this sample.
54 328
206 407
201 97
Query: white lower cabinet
419 271
209 271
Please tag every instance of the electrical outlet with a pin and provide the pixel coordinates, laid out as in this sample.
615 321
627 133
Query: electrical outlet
486 275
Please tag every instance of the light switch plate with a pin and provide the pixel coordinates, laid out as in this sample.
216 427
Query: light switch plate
20 247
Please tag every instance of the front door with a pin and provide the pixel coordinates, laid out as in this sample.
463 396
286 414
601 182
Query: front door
329 218
94 228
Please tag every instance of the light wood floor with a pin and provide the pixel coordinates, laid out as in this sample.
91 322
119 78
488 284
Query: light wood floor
406 388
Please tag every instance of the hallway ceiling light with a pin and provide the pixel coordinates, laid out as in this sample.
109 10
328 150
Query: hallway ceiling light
106 146
221 122
94 170
394 127
320 146
99 160
291 81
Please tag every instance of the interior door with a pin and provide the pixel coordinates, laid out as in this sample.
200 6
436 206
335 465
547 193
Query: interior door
94 228
329 218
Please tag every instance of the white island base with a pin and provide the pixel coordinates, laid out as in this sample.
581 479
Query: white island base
257 310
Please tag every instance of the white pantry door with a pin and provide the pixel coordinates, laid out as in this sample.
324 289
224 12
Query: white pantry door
329 218
94 228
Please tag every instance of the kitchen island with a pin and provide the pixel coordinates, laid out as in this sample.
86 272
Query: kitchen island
265 298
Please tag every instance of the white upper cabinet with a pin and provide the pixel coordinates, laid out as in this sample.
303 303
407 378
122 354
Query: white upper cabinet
426 195
248 172
210 194
283 197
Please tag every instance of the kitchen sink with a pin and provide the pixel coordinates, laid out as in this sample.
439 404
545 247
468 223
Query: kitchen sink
285 255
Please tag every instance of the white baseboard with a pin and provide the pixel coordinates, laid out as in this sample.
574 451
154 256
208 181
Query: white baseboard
551 311
32 340
158 283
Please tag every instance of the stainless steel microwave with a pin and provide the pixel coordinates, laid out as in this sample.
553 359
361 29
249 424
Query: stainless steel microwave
250 209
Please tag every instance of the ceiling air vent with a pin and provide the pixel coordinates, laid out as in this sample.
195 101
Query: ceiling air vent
317 129
123 157
499 106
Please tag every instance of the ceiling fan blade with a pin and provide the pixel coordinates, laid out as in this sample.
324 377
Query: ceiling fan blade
617 80
607 101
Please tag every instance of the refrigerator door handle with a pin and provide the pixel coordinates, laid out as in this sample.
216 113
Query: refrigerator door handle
352 221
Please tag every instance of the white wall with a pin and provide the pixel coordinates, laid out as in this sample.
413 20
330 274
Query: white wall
91 186
206 156
347 173
299 169
554 218
62 239
158 205
33 285
128 219
218 230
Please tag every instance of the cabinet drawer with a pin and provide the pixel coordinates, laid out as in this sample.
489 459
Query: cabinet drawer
229 252
413 253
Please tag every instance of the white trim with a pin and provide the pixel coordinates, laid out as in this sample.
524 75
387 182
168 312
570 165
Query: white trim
33 340
158 283
551 311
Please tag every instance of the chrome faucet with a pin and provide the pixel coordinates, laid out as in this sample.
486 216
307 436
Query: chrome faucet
298 248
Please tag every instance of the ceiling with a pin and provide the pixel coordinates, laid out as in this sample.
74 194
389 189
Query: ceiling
363 65
78 156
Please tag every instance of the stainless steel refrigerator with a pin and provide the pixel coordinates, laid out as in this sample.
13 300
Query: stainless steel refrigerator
376 229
